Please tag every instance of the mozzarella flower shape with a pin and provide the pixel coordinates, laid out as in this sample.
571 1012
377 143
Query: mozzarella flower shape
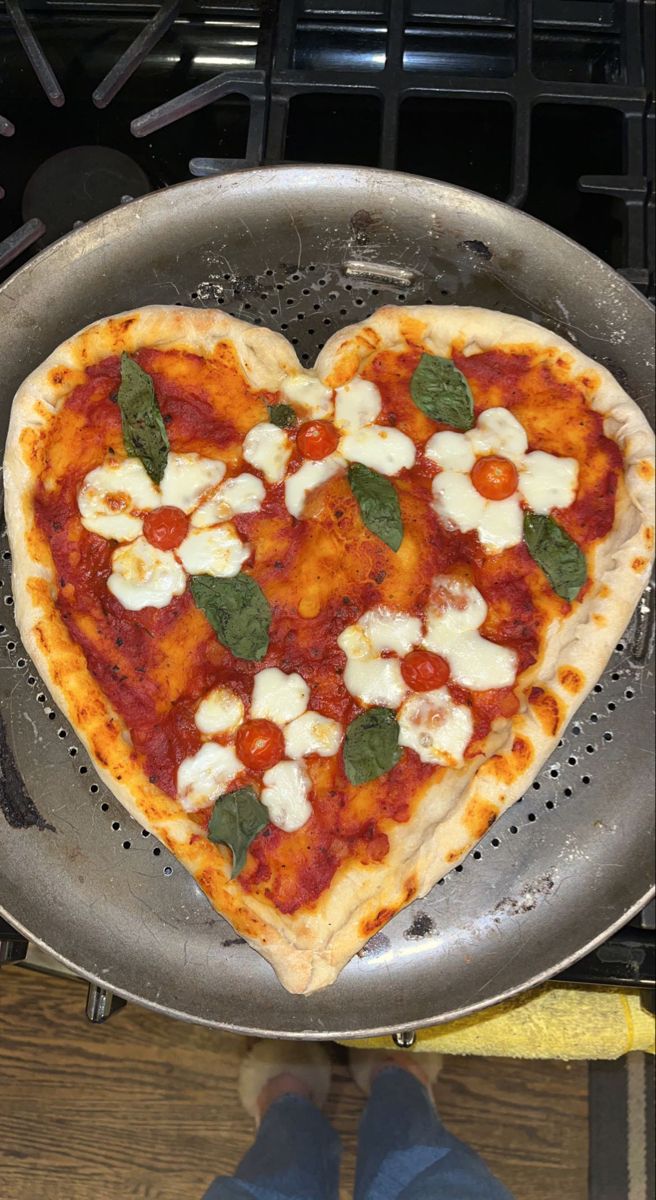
281 700
430 722
195 536
496 448
356 438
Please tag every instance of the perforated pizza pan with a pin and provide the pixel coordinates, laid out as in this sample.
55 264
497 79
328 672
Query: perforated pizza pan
306 251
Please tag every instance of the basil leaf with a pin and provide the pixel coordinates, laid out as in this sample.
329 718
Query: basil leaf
378 503
282 415
371 745
238 612
144 433
562 561
441 391
237 819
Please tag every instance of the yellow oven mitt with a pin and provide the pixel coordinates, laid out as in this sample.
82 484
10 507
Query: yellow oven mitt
553 1021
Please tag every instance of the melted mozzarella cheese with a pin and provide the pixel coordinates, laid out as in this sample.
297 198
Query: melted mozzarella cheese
268 448
218 551
145 577
452 630
379 447
112 497
450 451
312 733
548 482
357 404
285 795
435 727
308 394
243 494
308 477
279 697
205 775
369 678
499 523
220 711
187 477
497 431
389 630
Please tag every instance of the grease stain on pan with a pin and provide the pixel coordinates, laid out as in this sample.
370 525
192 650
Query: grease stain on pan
421 927
18 808
515 906
480 249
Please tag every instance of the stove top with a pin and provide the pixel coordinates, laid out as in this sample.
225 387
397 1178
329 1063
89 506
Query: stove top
546 104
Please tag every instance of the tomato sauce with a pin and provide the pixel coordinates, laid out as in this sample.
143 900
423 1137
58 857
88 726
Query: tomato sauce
319 575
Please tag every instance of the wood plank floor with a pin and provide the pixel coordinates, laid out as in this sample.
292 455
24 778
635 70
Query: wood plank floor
145 1108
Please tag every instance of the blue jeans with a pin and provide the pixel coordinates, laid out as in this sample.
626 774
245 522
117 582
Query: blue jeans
404 1153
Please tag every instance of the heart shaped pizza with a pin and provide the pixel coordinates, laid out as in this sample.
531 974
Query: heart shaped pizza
318 628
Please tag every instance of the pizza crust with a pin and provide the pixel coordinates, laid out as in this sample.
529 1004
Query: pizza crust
308 949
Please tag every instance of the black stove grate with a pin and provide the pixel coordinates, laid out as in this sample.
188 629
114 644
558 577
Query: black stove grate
547 104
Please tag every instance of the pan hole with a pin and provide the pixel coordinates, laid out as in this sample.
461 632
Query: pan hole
594 717
145 833
572 760
576 729
6 554
598 687
116 825
615 676
549 804
629 693
83 770
513 829
2 629
477 855
567 792
536 785
31 680
157 851
104 807
532 817
620 647
72 750
51 716
495 842
590 749
11 645
611 706
554 772
9 600
41 698
167 871
608 737
21 662
61 733
126 845
459 868
94 789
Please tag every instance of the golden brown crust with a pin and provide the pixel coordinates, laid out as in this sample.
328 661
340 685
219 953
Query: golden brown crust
309 948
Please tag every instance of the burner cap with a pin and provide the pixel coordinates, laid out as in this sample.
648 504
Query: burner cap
78 184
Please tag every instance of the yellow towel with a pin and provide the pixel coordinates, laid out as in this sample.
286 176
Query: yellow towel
553 1021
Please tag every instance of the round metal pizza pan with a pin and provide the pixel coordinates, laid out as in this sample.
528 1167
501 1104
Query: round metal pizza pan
307 250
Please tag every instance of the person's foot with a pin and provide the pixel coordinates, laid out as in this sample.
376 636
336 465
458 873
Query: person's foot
274 1069
365 1065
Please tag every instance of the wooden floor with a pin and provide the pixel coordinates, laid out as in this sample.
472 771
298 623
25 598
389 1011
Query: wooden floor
145 1108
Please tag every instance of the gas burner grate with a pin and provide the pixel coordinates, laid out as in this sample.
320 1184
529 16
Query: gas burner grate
543 103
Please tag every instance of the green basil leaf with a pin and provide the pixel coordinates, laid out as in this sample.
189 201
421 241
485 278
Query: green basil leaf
562 561
378 503
144 433
371 745
441 391
238 612
237 819
282 415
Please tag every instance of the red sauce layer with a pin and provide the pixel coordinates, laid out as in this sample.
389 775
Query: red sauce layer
155 665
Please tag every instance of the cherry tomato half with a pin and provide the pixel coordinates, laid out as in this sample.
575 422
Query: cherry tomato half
166 527
494 478
260 744
424 671
317 439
